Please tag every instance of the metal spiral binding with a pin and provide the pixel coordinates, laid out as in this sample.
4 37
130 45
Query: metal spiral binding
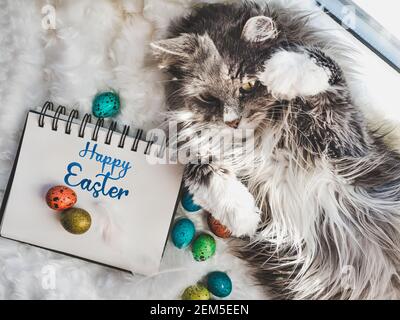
74 114
125 132
110 132
99 124
86 118
60 110
149 144
138 137
47 106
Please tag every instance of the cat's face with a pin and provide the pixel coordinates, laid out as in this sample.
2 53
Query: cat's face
214 77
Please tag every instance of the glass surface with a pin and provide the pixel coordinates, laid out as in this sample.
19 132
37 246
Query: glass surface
375 23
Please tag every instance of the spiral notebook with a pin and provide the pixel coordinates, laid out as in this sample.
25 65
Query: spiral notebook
130 196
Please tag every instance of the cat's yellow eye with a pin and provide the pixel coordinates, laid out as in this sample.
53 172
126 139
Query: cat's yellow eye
249 86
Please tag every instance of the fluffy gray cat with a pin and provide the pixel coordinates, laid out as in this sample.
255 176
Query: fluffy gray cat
316 209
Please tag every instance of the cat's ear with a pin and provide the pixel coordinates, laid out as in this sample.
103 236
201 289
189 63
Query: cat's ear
184 48
168 51
259 29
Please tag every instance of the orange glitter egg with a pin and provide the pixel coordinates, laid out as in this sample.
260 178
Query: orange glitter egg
60 198
217 227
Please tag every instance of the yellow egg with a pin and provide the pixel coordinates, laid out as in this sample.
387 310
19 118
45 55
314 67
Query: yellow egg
75 220
196 292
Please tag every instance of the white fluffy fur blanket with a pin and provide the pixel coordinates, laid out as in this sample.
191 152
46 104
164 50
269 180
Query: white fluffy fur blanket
96 44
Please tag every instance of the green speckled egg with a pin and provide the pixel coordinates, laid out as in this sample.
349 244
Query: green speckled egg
75 220
196 292
106 105
203 247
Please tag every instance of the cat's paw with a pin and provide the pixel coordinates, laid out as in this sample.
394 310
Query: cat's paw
241 220
291 74
231 203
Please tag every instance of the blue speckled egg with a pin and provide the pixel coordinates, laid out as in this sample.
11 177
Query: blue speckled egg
182 233
106 105
188 204
219 284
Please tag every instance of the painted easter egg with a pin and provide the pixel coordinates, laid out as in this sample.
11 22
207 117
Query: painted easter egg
219 284
182 233
196 292
203 247
75 220
188 203
60 198
106 105
217 227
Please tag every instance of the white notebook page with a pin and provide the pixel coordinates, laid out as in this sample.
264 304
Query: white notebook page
127 233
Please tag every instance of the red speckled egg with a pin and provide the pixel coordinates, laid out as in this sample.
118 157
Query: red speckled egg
217 227
60 198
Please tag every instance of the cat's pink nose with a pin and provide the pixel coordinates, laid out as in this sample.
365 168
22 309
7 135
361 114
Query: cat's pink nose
233 124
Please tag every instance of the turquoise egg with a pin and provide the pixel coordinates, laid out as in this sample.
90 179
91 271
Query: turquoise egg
182 233
219 284
106 105
188 203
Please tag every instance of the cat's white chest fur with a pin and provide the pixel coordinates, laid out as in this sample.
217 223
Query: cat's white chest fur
293 193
